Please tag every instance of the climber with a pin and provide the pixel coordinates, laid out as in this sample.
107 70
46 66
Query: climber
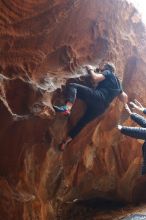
106 87
137 132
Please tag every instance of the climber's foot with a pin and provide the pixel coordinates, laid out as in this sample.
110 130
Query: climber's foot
63 109
63 145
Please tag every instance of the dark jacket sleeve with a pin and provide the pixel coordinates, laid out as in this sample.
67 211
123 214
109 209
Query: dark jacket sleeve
140 120
138 133
144 111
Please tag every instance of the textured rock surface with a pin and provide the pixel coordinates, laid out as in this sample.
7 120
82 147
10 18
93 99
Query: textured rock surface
42 44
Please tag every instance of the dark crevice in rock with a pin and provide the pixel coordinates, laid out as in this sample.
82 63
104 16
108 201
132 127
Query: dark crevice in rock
89 208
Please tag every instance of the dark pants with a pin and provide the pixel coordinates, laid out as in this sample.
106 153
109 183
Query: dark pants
92 98
139 133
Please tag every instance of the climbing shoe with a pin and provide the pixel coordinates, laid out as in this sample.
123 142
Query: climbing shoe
63 109
64 143
61 147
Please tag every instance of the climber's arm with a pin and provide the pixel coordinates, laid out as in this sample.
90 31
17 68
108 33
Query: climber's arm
140 120
135 132
123 97
95 77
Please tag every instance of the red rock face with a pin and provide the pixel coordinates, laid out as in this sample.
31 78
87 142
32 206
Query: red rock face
43 44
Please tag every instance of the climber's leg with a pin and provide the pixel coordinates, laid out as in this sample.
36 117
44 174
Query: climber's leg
86 118
79 91
75 91
90 114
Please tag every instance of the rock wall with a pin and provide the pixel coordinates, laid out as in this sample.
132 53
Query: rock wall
43 45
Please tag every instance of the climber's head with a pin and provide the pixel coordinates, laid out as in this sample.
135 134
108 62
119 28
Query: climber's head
109 66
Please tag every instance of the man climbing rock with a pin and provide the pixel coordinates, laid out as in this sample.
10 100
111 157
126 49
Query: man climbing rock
106 86
137 132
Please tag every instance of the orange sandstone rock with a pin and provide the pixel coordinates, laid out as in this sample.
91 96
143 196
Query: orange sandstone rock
43 44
